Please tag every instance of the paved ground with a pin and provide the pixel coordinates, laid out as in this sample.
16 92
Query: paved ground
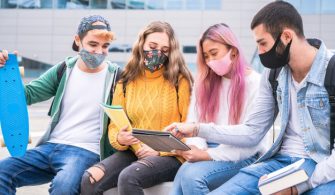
38 121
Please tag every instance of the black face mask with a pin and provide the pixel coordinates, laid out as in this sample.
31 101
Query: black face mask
272 59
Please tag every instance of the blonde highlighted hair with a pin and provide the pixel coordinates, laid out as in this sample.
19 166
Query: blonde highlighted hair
176 64
106 35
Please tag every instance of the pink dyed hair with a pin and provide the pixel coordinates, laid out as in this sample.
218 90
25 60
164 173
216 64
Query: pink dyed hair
208 86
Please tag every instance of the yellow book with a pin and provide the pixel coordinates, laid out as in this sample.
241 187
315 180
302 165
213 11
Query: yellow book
120 119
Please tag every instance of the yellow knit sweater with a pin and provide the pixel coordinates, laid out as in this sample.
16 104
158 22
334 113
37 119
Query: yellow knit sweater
151 103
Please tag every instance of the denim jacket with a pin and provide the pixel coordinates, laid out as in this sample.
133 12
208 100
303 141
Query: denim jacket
313 111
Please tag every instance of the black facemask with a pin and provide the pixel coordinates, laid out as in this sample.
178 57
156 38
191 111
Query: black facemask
271 59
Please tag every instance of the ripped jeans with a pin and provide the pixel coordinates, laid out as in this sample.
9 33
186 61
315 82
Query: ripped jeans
130 174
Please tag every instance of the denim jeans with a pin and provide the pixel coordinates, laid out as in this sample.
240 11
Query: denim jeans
131 175
246 181
61 164
204 176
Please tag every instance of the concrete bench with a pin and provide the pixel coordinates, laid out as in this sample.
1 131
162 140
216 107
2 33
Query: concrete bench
161 189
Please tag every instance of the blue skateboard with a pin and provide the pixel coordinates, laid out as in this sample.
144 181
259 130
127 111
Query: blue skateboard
13 108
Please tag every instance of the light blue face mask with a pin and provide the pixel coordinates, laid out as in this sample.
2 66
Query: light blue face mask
92 60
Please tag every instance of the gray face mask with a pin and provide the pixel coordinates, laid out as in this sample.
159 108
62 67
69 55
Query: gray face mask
92 60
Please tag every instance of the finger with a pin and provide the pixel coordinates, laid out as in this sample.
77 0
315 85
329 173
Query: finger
134 141
179 152
5 54
179 135
170 127
262 178
193 147
141 153
124 128
138 152
16 52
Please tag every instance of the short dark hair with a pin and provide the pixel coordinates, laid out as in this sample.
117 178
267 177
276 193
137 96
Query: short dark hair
276 16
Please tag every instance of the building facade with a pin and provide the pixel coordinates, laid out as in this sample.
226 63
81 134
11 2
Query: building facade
43 30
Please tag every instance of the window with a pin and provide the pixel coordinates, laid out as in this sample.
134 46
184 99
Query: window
120 48
174 4
98 4
194 4
310 7
135 4
212 4
328 6
189 49
77 4
8 3
154 4
118 4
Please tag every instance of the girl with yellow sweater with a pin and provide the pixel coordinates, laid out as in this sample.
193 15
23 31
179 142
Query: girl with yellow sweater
154 91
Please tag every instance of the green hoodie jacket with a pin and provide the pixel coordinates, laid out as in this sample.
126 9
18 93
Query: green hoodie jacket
48 86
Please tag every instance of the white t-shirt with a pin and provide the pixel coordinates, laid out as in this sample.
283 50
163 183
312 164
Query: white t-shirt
293 144
224 152
79 122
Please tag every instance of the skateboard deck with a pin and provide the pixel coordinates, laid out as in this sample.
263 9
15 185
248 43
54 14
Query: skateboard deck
13 108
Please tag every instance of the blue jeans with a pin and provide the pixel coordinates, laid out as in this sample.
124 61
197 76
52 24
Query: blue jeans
61 164
246 181
204 176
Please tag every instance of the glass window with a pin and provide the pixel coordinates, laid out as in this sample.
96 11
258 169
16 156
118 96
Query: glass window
120 48
189 49
98 4
118 4
154 4
8 4
28 4
61 4
194 4
174 4
328 6
135 4
310 7
77 4
46 4
213 4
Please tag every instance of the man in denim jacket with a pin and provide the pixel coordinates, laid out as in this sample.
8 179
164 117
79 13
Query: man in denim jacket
71 142
303 106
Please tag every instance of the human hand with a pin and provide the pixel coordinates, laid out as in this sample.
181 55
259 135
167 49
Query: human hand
181 130
288 191
125 137
4 57
145 151
193 155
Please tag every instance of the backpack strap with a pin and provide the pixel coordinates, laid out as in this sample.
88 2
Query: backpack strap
60 72
274 84
329 84
116 79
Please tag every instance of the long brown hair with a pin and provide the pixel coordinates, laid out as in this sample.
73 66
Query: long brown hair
176 64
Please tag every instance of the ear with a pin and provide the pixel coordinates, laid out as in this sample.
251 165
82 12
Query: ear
77 40
233 53
287 35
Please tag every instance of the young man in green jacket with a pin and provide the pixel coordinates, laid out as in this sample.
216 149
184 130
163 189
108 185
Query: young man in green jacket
71 143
